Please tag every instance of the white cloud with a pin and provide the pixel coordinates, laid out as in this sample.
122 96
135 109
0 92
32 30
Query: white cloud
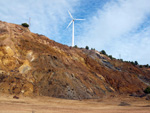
134 48
116 26
47 16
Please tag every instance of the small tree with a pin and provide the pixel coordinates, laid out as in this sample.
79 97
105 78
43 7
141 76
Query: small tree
103 52
147 65
147 90
136 63
110 56
92 48
87 47
121 60
25 25
132 63
75 46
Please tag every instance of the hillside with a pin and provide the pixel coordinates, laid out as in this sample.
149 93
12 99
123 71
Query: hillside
32 64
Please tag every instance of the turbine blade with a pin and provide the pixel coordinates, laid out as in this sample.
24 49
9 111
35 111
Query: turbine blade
70 14
79 19
69 24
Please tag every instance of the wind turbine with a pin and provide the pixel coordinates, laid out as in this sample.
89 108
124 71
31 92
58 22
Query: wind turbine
72 22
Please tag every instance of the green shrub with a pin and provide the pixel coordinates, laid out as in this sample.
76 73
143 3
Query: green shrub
136 63
87 47
121 60
103 52
25 25
132 63
110 56
92 48
75 46
147 90
147 65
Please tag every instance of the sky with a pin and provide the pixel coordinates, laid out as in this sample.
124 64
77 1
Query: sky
120 27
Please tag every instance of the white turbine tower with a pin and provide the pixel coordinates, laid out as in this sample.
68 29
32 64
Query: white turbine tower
72 22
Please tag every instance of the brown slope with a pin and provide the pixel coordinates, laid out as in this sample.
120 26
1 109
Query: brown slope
32 64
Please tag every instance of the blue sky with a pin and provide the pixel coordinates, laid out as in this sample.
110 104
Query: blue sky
120 27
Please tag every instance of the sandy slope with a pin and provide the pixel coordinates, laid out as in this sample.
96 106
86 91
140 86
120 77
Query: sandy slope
54 105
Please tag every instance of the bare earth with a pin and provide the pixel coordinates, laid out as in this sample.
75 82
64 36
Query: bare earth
55 105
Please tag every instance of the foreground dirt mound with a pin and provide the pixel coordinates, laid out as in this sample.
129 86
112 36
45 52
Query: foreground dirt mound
32 64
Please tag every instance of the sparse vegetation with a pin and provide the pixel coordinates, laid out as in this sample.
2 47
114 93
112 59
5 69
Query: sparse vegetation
136 63
110 56
121 60
103 52
75 46
132 63
25 25
87 47
92 48
147 90
146 66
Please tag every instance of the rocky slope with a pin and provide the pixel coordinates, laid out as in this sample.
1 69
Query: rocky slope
32 64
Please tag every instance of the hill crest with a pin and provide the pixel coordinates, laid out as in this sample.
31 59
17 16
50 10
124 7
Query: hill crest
32 64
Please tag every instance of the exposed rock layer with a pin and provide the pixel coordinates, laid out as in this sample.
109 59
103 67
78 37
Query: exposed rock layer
32 64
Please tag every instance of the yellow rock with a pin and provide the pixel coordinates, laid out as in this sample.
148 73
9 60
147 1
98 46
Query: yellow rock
1 54
25 67
112 89
102 78
9 51
30 56
4 87
27 89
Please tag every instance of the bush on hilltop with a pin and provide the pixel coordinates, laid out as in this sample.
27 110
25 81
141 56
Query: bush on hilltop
25 25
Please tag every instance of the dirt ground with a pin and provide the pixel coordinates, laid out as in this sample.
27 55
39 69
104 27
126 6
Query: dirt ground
54 105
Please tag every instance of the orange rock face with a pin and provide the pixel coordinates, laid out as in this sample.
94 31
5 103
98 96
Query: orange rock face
32 64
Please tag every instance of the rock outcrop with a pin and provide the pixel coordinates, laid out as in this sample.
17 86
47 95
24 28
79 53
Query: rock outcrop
32 64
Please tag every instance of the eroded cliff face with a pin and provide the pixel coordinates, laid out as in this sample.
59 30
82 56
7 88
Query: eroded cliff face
32 64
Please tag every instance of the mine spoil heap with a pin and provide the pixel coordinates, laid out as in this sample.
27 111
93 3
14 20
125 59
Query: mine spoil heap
32 64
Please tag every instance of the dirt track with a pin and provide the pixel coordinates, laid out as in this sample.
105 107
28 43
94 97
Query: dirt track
54 105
